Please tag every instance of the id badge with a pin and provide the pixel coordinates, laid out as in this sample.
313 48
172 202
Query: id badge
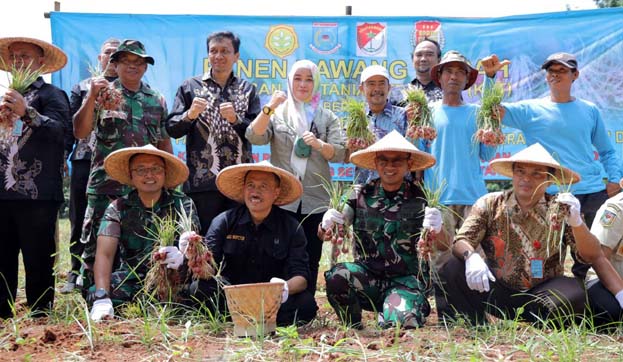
18 128
536 268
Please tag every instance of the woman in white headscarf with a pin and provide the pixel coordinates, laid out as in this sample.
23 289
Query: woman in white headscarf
304 138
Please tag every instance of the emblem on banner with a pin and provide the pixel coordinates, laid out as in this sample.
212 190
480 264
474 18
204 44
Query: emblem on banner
430 29
324 38
281 40
371 39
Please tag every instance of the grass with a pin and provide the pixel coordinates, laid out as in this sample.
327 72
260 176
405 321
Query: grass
151 332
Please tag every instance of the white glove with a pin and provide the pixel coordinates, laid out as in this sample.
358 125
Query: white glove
574 218
477 273
174 257
432 219
183 242
285 292
619 298
330 218
102 308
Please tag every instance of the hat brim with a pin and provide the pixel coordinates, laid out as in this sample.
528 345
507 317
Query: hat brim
548 63
366 158
471 77
230 182
504 166
117 166
115 56
54 58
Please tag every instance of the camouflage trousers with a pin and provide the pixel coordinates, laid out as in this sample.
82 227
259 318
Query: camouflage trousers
96 206
351 288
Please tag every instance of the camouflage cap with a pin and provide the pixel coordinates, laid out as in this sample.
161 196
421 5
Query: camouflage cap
566 59
134 47
453 56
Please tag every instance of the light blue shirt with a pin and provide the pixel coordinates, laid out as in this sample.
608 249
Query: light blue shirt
569 131
458 155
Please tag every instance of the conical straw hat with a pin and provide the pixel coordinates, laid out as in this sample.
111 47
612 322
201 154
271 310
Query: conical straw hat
393 141
53 57
117 165
230 182
536 155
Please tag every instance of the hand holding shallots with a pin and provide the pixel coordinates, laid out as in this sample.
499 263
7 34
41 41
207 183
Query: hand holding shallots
200 260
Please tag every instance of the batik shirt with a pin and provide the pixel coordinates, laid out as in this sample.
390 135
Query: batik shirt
387 230
31 164
515 242
391 118
212 143
128 220
139 121
432 91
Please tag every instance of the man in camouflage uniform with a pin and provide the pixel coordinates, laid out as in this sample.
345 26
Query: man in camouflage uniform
213 111
81 164
388 274
138 121
129 224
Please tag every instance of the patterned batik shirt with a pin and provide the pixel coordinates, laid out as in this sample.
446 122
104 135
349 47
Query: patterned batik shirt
31 163
138 122
128 220
212 143
387 230
513 239
432 91
391 118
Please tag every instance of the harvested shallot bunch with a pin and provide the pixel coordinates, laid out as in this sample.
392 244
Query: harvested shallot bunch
488 120
19 79
421 124
200 259
340 235
165 282
358 134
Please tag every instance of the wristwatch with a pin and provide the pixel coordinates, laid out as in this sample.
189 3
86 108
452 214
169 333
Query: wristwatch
100 293
467 254
267 110
30 114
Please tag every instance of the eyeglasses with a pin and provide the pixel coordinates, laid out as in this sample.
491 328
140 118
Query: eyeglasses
395 162
136 63
143 171
558 71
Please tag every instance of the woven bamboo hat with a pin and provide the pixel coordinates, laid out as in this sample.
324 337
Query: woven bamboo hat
53 57
230 181
453 56
393 141
117 165
535 155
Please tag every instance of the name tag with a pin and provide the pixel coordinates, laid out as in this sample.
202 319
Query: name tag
536 268
235 237
18 128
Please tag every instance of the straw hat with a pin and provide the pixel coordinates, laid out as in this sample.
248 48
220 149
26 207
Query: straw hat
452 56
535 155
117 165
53 57
230 181
393 141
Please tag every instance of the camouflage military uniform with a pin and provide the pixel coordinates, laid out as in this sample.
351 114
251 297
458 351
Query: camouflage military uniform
387 274
140 121
128 220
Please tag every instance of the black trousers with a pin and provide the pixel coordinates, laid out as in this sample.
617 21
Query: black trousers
314 245
589 204
560 299
299 309
209 204
27 226
604 307
80 170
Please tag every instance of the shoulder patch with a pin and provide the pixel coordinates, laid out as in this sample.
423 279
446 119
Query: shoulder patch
608 217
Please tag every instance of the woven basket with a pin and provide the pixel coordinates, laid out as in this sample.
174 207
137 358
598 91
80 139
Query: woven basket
254 307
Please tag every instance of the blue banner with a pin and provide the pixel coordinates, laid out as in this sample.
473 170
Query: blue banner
343 46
